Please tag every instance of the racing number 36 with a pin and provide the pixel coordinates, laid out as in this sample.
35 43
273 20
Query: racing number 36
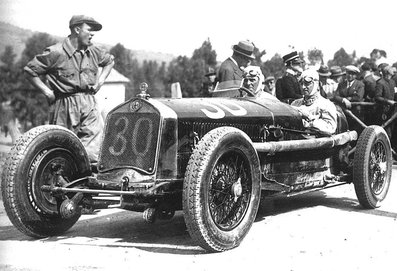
139 148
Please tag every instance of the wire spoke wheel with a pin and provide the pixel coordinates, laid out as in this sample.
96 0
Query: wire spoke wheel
221 190
372 167
377 168
230 190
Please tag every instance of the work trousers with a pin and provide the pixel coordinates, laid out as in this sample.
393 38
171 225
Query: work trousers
79 113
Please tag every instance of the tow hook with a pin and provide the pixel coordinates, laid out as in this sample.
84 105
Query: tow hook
69 207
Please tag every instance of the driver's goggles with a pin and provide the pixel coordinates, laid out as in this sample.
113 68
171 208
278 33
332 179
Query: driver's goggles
307 81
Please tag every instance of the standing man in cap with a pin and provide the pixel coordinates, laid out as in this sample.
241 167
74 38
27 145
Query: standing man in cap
385 96
269 85
351 90
73 77
336 78
369 81
326 87
232 68
209 83
318 113
288 87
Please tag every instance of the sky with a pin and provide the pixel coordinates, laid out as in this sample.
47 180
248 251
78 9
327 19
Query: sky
179 27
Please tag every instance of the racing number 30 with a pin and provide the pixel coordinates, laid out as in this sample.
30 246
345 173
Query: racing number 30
120 142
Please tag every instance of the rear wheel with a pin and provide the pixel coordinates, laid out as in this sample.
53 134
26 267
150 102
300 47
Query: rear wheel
38 157
372 167
221 191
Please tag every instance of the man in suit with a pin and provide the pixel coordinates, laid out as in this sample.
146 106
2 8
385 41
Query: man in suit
288 87
384 95
369 80
232 68
351 90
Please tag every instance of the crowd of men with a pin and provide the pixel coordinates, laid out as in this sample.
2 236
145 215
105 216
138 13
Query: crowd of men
368 91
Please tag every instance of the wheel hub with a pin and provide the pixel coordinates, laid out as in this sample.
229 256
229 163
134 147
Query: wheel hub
237 189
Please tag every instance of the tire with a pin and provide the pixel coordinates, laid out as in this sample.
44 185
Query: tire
221 190
372 167
29 165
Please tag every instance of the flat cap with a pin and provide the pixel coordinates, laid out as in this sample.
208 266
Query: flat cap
79 19
352 69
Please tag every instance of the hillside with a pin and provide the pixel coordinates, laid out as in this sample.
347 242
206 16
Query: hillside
16 37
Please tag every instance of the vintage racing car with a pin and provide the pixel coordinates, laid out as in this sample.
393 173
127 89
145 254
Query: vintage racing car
214 158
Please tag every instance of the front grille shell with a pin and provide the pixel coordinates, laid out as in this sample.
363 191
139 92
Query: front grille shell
131 137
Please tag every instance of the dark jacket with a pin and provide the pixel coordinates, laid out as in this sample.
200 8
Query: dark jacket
369 87
229 71
385 89
354 93
288 88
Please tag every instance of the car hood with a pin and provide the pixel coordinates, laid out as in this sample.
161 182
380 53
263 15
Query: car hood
235 110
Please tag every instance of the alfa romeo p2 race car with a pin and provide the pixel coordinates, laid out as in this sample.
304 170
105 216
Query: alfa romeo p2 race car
214 158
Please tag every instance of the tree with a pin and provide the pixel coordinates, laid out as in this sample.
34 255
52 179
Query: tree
36 45
123 59
205 53
274 66
315 57
7 74
341 58
8 84
30 106
189 72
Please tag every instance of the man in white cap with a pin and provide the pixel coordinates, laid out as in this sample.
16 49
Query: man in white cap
73 77
350 90
318 113
232 68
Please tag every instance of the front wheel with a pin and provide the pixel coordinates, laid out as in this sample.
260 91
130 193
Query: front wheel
221 190
372 167
34 160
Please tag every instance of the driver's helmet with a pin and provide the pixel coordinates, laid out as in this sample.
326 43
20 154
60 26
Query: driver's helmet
253 78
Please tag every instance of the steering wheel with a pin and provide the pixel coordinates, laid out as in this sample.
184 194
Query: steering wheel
246 90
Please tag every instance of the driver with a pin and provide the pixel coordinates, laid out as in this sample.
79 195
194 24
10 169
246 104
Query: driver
253 79
318 113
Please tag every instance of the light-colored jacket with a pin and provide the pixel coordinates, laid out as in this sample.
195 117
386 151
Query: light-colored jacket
322 113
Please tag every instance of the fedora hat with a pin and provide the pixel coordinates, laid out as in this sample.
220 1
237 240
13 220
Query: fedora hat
323 71
245 48
79 19
336 71
292 57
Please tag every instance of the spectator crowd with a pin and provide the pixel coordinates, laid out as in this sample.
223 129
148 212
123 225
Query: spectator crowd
368 91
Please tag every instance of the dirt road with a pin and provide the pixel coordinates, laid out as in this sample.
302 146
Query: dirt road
324 230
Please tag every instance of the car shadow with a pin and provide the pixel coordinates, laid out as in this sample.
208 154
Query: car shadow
127 229
121 229
280 205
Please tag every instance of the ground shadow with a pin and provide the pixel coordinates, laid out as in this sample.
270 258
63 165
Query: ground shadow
128 229
283 204
123 229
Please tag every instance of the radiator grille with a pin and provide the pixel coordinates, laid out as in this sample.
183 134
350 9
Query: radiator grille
130 141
